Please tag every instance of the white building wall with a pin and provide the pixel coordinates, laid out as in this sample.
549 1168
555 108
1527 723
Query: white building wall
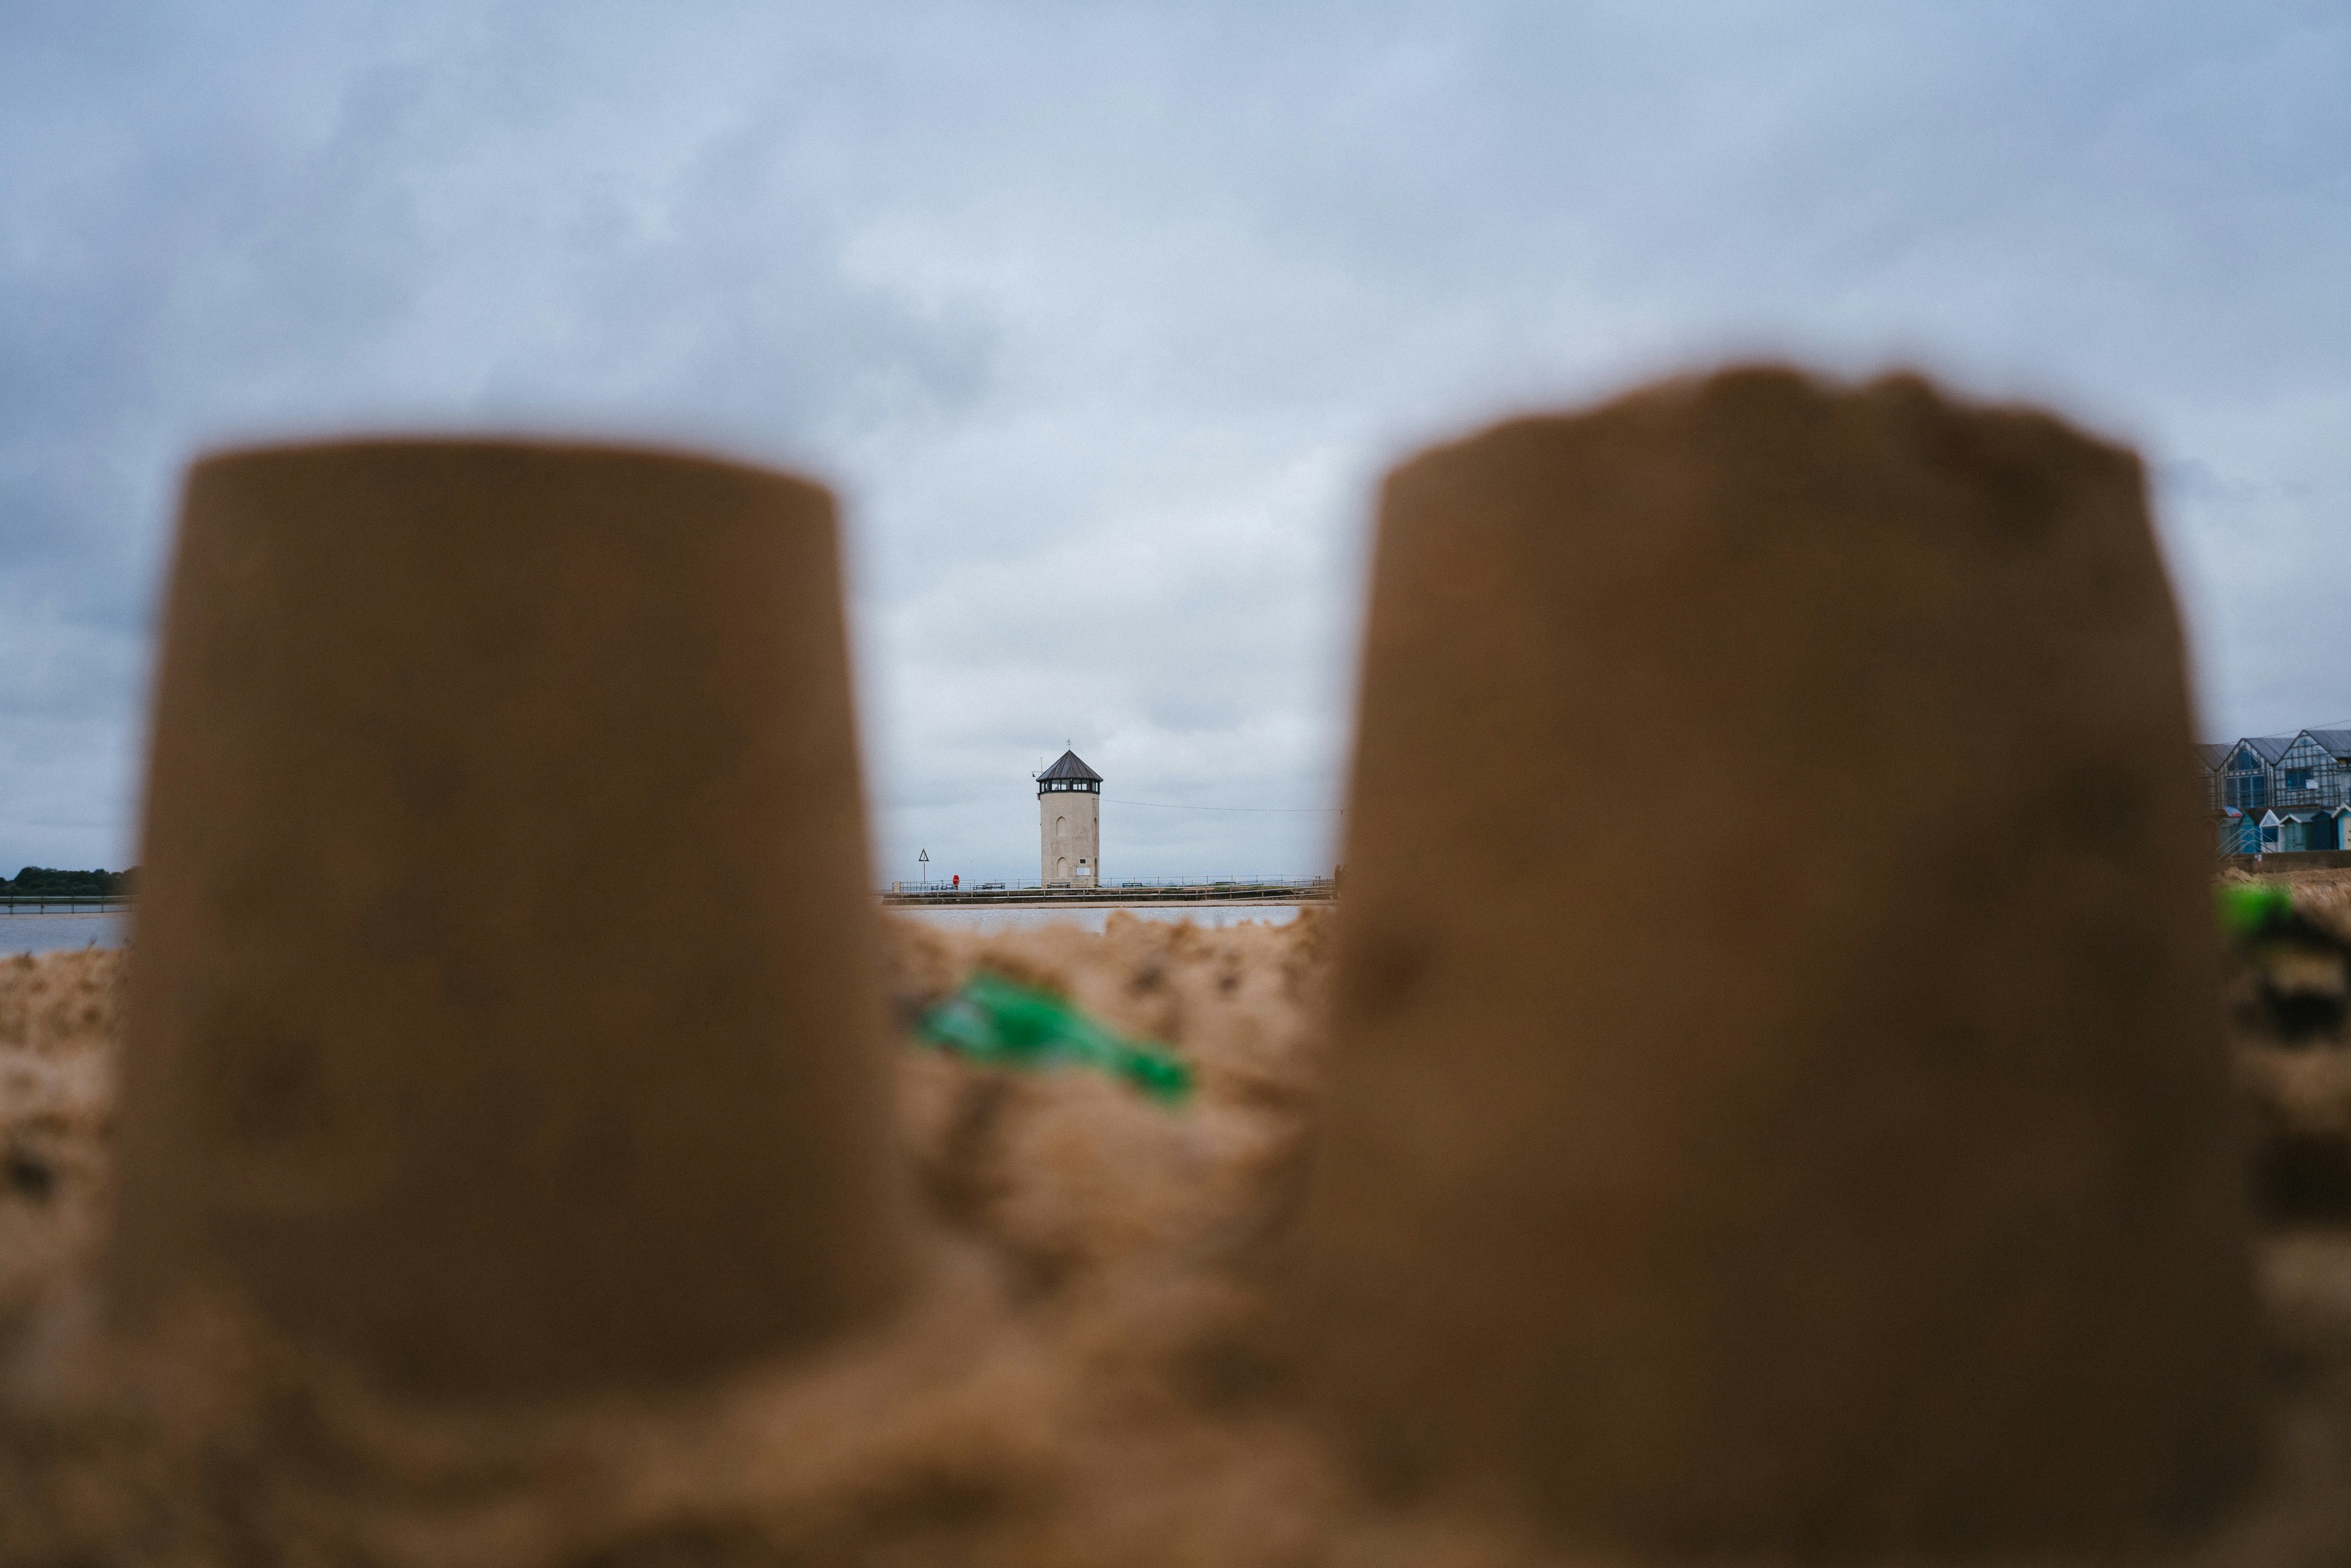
1069 831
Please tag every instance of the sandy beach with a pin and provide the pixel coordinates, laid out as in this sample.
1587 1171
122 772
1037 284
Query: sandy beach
1082 1380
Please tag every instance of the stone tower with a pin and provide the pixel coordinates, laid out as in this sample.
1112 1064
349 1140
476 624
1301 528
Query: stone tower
1069 824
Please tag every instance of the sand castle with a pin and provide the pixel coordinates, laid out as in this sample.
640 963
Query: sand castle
419 1052
1751 1182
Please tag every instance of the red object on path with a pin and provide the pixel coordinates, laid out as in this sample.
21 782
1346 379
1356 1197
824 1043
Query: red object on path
959 879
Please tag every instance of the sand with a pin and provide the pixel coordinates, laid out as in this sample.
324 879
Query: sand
487 779
1797 1214
1082 1380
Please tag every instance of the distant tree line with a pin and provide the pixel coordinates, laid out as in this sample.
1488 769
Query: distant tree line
39 879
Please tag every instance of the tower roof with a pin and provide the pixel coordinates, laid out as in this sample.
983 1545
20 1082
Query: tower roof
1070 767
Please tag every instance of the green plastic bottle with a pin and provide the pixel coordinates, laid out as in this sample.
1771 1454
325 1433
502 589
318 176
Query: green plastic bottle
992 1020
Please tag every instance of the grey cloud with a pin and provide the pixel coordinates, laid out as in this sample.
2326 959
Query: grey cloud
1105 319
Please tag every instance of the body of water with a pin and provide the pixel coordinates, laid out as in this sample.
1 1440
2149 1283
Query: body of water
48 933
985 918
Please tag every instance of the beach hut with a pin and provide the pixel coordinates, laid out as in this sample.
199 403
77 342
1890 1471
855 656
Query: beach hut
2302 831
2237 833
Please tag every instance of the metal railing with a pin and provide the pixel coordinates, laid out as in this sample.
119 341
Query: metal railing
1172 888
64 903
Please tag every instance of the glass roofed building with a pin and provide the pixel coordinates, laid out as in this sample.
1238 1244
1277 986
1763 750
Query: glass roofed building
2280 794
2316 770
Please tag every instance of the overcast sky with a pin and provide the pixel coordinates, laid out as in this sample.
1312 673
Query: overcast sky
1104 319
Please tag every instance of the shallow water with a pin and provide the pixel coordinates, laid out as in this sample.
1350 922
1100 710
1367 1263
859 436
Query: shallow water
49 933
52 933
984 918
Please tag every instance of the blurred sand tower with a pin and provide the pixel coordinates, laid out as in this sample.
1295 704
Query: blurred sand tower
1789 1113
503 1013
